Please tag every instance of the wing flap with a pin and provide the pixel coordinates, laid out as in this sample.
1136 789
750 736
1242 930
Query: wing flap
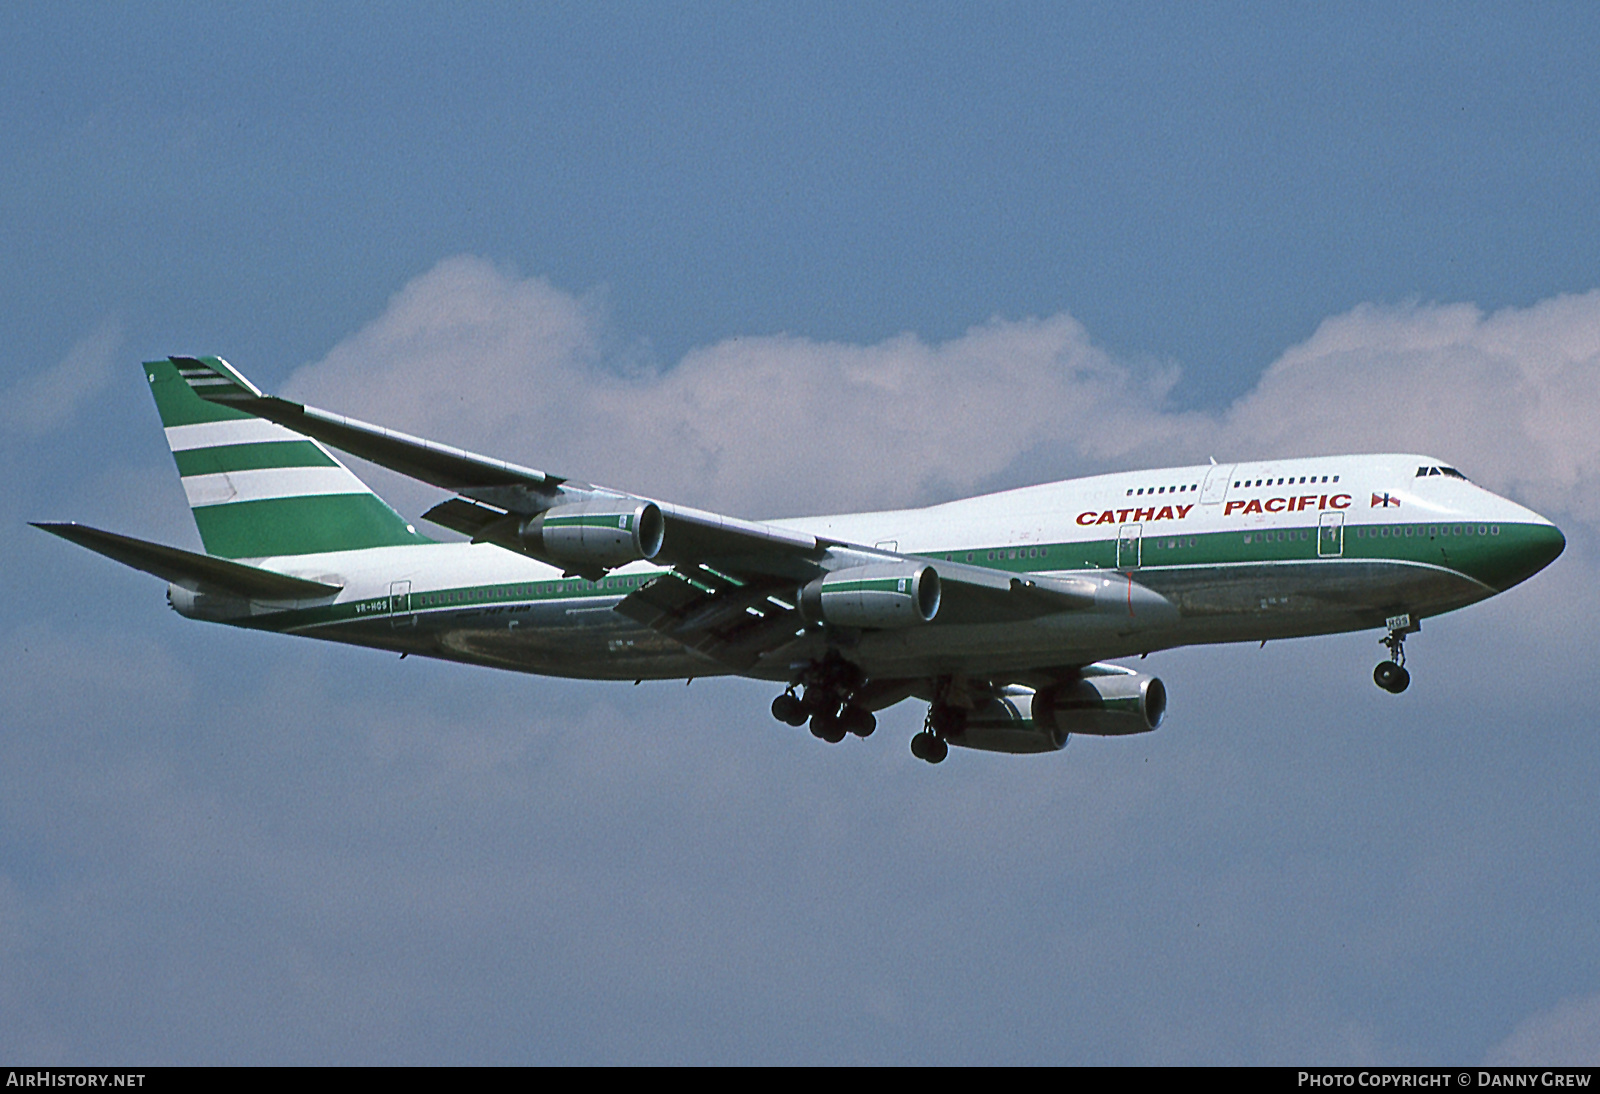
732 622
462 515
187 568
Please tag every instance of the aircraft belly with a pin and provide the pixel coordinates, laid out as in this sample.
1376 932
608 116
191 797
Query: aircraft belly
1215 604
586 640
1245 603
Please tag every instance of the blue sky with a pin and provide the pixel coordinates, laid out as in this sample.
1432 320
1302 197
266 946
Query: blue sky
651 246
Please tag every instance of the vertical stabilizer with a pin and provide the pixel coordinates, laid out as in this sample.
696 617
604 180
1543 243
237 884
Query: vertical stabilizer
258 489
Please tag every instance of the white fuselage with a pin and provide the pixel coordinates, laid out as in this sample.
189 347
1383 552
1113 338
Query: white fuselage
1245 552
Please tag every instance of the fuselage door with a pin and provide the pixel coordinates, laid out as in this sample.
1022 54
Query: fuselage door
400 604
1215 488
1330 535
1129 540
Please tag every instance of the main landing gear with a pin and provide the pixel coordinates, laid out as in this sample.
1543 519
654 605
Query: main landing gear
832 694
947 717
1391 675
930 744
827 701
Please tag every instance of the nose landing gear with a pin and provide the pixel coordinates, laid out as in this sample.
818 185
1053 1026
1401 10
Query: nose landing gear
1391 675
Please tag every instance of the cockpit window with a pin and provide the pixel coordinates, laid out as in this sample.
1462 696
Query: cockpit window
1447 471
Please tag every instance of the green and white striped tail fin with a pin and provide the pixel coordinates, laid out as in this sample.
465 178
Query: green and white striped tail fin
257 489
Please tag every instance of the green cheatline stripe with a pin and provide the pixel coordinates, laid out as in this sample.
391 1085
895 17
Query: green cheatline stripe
301 526
465 598
1499 556
251 457
178 404
1211 548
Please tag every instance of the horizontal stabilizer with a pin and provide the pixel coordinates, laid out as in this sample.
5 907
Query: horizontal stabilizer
190 569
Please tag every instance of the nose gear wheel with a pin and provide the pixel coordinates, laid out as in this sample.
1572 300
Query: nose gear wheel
1391 675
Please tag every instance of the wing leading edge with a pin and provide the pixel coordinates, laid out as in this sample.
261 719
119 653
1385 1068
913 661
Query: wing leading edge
498 489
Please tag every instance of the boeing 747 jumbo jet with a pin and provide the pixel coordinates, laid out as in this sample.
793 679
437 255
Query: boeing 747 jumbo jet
999 612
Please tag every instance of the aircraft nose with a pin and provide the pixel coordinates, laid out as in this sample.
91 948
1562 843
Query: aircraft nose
1534 547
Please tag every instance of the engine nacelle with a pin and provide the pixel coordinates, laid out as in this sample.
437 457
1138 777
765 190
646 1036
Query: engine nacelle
211 606
1005 723
896 594
1106 701
596 533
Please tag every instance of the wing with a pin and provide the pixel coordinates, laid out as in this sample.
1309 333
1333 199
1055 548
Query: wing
501 489
735 588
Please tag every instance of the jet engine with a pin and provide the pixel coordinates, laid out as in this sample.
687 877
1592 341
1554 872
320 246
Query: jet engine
604 532
1105 701
898 594
210 605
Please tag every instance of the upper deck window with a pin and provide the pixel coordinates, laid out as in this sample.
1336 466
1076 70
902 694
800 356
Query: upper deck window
1291 481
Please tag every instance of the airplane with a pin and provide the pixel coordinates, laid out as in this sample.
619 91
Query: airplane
1001 612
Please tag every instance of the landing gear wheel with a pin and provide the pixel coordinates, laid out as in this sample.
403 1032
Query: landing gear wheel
926 746
788 708
858 721
1391 677
827 727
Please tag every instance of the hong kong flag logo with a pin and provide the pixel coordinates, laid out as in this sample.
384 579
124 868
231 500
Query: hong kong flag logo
1384 500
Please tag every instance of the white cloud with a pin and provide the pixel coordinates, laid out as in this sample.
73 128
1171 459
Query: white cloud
1513 397
516 367
47 400
475 355
330 827
1566 1035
